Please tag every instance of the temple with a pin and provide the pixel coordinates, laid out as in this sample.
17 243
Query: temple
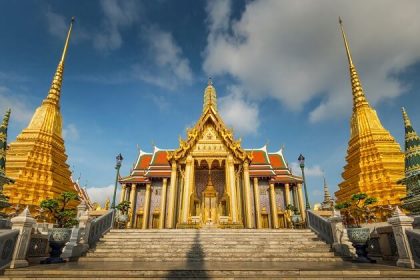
211 181
374 161
36 161
412 167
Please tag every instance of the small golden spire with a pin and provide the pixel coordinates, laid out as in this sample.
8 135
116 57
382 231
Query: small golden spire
55 89
345 42
405 117
210 97
359 98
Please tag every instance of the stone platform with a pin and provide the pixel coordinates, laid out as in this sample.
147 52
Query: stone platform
214 254
212 270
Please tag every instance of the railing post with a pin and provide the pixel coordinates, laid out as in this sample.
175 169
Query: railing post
400 223
341 244
72 250
24 223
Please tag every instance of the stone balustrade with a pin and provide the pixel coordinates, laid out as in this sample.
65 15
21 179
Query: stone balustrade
8 238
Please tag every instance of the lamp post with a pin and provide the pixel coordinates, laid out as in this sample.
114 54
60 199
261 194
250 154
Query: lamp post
301 160
119 159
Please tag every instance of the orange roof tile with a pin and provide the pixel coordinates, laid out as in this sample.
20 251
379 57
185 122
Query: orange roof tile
259 157
276 161
160 158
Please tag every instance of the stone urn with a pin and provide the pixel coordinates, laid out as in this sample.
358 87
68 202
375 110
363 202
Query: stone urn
122 218
58 239
359 238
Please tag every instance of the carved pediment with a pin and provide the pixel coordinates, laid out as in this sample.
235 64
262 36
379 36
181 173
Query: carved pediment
209 137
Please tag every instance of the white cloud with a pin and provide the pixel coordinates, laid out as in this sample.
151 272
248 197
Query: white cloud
238 112
166 65
58 26
101 194
293 51
70 132
312 171
21 111
118 15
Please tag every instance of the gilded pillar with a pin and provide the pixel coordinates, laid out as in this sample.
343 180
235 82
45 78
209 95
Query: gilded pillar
238 197
247 193
163 204
295 197
257 204
132 206
172 196
123 190
232 187
286 194
273 207
146 209
301 204
186 191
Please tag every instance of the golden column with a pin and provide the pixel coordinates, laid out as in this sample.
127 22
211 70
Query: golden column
238 197
132 206
274 214
232 188
286 194
171 205
257 203
247 193
163 203
187 190
146 209
123 192
301 204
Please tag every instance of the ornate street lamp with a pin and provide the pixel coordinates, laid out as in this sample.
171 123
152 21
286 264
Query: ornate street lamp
301 160
119 159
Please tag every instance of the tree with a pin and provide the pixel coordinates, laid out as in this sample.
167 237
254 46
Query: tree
58 208
357 209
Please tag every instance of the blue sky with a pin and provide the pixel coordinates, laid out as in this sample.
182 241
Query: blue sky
136 70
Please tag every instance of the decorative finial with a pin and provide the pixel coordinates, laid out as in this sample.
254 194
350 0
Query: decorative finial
345 42
407 121
210 98
210 81
55 90
359 98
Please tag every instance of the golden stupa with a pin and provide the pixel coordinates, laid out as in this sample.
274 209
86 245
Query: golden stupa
36 161
374 161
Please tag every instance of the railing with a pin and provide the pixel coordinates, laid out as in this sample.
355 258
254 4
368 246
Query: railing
413 237
7 246
99 227
321 226
38 246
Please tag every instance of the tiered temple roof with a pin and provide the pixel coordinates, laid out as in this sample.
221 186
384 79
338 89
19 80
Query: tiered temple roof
263 164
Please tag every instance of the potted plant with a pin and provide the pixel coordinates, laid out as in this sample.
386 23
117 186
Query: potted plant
123 207
295 217
357 211
65 218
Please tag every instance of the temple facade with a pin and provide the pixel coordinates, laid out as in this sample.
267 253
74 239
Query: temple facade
374 161
211 181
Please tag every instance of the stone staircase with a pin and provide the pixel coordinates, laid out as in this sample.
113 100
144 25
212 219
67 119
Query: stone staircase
211 245
211 254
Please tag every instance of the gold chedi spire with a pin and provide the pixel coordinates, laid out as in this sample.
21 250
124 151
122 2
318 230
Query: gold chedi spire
210 97
374 161
55 90
359 98
37 159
